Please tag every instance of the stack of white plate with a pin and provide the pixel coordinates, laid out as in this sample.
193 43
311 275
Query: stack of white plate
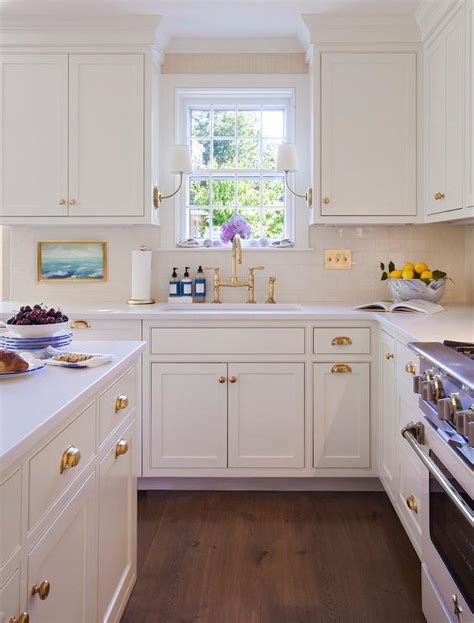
15 342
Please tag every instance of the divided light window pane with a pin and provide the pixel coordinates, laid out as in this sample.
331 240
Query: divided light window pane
234 152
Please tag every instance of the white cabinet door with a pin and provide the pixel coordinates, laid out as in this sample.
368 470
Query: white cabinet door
10 600
33 135
388 415
341 415
188 415
444 118
106 135
66 557
117 525
266 414
368 134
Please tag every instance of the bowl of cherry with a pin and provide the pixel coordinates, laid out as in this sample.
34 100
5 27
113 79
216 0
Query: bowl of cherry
37 321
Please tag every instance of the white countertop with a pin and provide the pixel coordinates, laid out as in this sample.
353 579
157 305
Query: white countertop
456 323
32 405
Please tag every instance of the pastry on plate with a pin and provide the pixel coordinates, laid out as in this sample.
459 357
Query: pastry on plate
10 361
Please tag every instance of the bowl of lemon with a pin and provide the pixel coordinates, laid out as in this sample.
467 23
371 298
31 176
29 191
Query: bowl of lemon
414 281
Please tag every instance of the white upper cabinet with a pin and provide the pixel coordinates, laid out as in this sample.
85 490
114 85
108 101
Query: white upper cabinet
106 135
34 135
444 106
368 137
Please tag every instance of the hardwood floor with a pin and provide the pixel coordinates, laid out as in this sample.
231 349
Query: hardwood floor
273 557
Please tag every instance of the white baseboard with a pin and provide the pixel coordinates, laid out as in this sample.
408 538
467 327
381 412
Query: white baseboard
260 484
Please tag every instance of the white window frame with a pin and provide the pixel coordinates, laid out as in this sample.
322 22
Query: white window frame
278 97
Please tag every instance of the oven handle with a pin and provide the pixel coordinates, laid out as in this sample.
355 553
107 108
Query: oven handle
414 434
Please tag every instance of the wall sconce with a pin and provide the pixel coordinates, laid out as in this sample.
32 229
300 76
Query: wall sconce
287 163
181 164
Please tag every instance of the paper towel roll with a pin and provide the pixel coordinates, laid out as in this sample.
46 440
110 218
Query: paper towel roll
141 275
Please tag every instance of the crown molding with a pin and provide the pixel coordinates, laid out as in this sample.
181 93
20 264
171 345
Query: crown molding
102 30
430 13
380 29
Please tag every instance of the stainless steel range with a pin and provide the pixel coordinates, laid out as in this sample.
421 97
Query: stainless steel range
442 435
446 387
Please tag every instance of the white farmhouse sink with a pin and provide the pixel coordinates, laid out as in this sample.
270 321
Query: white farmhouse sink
230 307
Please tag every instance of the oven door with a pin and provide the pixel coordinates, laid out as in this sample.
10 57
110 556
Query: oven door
447 519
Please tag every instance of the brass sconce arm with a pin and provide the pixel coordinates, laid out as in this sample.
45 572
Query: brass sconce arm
158 195
308 196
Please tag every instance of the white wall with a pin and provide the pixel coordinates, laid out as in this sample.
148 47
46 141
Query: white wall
469 263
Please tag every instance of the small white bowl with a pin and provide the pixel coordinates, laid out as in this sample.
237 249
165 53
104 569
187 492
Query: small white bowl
408 289
37 330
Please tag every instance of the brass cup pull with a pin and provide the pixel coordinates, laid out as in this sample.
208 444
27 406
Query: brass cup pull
222 379
389 356
341 340
121 402
341 368
24 617
80 324
326 200
62 202
410 368
412 503
41 589
121 448
232 379
70 458
72 202
439 196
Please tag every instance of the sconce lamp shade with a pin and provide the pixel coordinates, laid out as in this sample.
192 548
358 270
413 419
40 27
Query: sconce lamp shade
181 159
286 158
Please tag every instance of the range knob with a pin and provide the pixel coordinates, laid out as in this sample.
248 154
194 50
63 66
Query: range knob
427 391
464 422
417 381
448 407
470 434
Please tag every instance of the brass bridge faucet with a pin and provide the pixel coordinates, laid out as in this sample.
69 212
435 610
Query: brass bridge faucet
234 281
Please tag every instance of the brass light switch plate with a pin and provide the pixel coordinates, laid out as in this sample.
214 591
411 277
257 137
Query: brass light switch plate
337 259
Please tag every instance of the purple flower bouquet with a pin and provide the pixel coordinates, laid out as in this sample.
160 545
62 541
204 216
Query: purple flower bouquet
235 225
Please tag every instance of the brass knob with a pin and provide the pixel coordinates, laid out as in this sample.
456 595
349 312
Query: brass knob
410 368
121 448
412 503
80 324
72 202
222 379
326 200
62 202
341 340
121 402
24 617
42 589
439 196
341 368
389 356
70 458
232 379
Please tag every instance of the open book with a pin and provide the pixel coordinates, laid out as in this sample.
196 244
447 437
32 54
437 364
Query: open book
415 305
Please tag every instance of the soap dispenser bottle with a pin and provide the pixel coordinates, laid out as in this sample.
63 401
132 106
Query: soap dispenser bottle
186 283
174 285
200 286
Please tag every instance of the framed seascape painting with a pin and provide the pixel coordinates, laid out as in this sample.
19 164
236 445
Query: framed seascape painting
72 260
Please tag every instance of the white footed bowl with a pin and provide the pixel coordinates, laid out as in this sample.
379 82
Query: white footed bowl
37 330
407 289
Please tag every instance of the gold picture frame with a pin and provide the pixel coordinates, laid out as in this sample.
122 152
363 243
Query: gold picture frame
74 261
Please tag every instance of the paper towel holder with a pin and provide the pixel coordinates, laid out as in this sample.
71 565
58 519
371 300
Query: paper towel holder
142 301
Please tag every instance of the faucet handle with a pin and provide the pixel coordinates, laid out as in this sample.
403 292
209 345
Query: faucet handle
252 268
214 268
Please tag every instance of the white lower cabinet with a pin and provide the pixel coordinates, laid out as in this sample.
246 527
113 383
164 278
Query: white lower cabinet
227 415
189 415
66 558
10 598
266 414
388 415
117 524
341 415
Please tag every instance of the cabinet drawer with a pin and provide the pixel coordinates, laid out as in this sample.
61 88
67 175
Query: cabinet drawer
409 490
85 329
341 340
227 341
10 515
116 403
47 483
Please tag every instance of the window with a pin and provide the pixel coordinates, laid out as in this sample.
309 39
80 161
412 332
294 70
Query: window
233 139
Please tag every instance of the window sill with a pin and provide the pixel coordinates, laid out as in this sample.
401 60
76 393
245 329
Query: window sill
229 249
